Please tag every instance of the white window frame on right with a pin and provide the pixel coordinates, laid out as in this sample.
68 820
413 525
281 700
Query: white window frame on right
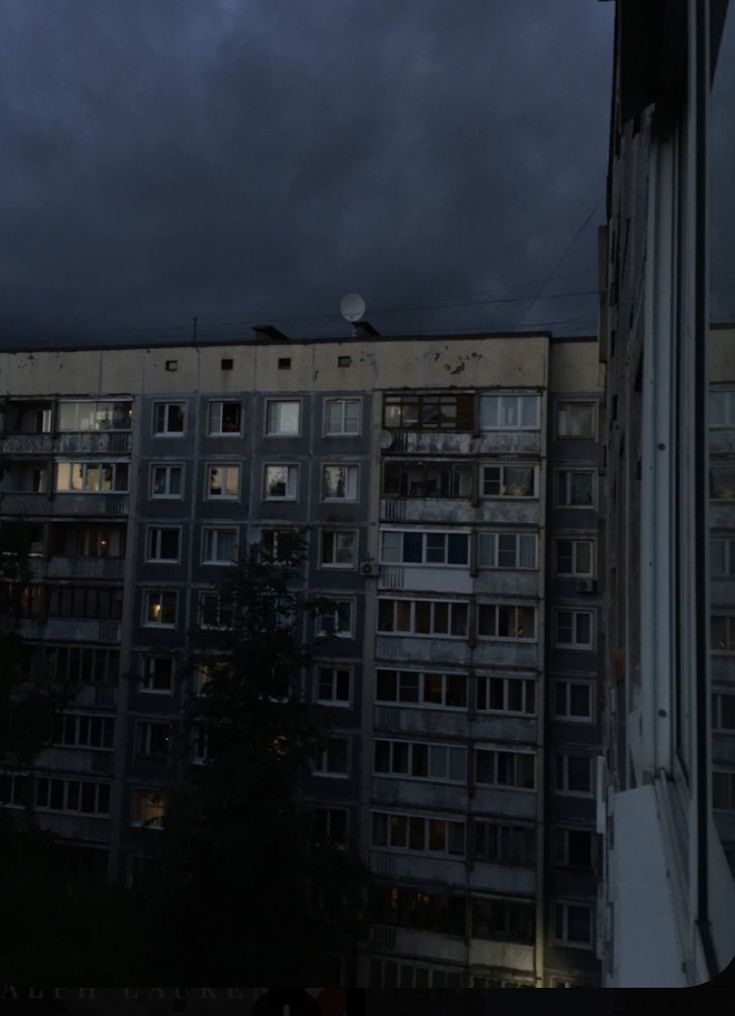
147 594
269 431
575 644
561 920
510 406
289 466
562 695
168 467
722 408
342 401
576 572
214 533
339 672
338 633
564 499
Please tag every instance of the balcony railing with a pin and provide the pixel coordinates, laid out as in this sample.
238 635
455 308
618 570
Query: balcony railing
107 443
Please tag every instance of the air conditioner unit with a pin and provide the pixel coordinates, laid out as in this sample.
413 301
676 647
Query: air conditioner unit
586 585
369 568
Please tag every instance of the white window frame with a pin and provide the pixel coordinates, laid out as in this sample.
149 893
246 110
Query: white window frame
492 539
147 674
222 619
433 634
342 401
566 472
506 396
561 909
320 764
335 534
566 683
66 781
159 529
334 669
168 406
561 774
169 467
276 532
78 403
426 820
278 433
352 480
214 532
575 542
495 751
504 467
396 774
148 594
575 645
508 606
424 534
107 724
421 701
86 465
589 403
282 465
224 467
528 688
217 406
339 633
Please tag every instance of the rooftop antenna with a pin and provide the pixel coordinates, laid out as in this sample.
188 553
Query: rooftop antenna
352 308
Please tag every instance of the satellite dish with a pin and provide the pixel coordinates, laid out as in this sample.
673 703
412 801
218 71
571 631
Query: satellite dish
385 440
352 307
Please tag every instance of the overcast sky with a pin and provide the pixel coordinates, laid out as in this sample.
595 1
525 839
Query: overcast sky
249 161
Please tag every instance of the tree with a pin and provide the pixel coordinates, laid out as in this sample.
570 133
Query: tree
243 891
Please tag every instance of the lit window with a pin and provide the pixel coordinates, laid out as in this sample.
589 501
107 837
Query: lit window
148 809
576 420
160 608
223 482
508 481
418 833
282 417
426 689
339 483
341 417
169 418
92 477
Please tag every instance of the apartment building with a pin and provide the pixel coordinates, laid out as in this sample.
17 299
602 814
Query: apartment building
451 491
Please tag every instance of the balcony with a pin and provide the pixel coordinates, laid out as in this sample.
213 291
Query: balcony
88 443
448 580
419 794
62 567
76 761
502 878
69 629
433 442
429 945
452 723
508 955
434 650
462 511
414 867
33 505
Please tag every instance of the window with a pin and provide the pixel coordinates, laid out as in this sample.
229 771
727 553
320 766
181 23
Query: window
573 924
333 759
573 848
163 543
722 634
416 760
172 365
169 418
224 418
333 686
573 775
506 695
574 629
722 408
504 842
338 548
573 700
428 412
213 611
509 412
160 608
496 768
509 481
281 483
723 790
92 477
389 974
95 416
575 488
339 483
284 362
722 558
335 619
341 417
226 364
282 417
506 621
418 833
330 826
97 603
157 674
503 921
81 796
219 546
77 664
575 558
423 617
723 713
223 482
575 420
148 809
81 730
15 790
427 479
722 483
506 550
278 545
415 547
152 738
166 481
422 688
91 541
414 908
344 361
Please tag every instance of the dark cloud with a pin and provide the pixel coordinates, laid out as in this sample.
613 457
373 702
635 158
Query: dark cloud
256 159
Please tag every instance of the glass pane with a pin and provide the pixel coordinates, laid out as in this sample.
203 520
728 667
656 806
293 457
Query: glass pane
408 686
412 548
489 411
391 543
